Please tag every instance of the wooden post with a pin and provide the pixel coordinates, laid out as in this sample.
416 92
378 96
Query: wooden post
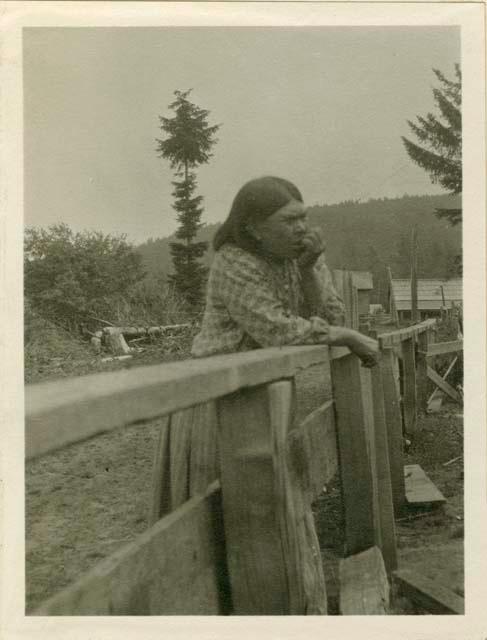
388 365
421 370
383 473
392 302
409 385
355 469
273 559
414 276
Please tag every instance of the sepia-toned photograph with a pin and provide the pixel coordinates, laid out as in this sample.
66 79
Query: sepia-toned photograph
243 318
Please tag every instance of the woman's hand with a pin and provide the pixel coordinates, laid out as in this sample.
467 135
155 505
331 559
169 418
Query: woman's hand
313 247
366 348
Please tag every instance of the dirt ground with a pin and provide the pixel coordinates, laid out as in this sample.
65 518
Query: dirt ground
86 501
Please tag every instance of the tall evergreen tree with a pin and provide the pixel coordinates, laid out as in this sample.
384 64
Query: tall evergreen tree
441 137
187 144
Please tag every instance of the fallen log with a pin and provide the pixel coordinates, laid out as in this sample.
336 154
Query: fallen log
136 332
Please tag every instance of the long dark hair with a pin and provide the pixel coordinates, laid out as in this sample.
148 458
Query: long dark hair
256 200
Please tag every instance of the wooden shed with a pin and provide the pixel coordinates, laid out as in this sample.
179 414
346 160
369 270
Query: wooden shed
433 296
363 282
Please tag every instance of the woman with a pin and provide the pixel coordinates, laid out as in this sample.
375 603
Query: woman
268 284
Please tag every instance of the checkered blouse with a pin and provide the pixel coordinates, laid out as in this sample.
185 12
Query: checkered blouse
253 302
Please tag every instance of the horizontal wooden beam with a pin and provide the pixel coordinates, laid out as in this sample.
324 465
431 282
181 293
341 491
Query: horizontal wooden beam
67 411
177 567
439 348
395 337
364 588
428 594
443 385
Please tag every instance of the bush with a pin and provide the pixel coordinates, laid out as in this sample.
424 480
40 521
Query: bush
68 275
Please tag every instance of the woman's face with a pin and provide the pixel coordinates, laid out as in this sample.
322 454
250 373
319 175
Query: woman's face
281 234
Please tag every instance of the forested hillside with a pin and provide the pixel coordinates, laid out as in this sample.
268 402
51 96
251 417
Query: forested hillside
364 236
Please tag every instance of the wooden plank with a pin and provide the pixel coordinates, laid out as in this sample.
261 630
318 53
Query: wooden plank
409 386
434 404
382 469
160 503
175 568
368 414
419 488
388 365
299 541
428 594
440 348
443 385
313 450
364 589
256 558
355 471
421 370
67 411
437 391
392 338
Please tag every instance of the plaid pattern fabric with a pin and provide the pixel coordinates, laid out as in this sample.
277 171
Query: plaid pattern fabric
253 302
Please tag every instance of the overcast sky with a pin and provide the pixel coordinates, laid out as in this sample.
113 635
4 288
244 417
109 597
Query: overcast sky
323 107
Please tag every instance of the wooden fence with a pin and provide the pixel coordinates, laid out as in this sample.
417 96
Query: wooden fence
235 473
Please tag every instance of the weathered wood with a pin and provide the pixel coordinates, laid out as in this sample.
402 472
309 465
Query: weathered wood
175 568
273 560
393 420
440 348
428 594
116 342
307 592
66 411
368 414
257 567
414 274
419 488
160 503
355 470
364 589
434 404
382 469
409 386
134 332
313 450
443 385
438 391
392 338
421 370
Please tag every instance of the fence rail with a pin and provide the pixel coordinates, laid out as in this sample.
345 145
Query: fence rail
231 527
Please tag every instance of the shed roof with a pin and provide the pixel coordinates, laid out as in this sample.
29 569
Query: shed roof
429 293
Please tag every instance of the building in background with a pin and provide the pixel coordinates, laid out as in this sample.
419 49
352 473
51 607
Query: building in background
434 295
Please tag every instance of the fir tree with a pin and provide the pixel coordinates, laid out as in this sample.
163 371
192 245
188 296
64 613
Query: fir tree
187 144
441 137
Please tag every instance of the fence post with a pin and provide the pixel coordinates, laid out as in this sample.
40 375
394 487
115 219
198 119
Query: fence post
383 473
392 407
355 467
422 369
273 558
409 385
